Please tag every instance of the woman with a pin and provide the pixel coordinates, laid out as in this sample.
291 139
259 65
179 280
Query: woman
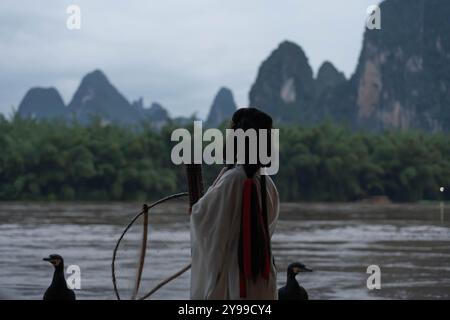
231 227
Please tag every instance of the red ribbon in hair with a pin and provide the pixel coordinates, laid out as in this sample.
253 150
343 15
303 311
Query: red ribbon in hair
246 272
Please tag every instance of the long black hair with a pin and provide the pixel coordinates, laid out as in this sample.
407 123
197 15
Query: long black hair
258 260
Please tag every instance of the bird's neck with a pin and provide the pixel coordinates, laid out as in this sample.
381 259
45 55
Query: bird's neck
58 276
291 280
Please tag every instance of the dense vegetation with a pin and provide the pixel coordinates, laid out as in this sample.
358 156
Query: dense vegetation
56 161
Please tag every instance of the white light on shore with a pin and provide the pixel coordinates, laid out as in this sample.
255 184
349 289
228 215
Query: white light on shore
442 189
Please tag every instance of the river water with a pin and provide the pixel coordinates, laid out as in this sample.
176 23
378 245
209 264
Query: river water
409 242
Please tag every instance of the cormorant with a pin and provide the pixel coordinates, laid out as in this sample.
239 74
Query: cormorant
58 289
292 290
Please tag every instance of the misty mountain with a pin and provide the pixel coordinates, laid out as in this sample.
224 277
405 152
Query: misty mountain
157 115
403 75
402 79
97 97
284 86
328 77
222 108
42 103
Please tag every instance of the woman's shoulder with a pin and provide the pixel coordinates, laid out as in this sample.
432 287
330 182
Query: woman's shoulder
232 178
234 174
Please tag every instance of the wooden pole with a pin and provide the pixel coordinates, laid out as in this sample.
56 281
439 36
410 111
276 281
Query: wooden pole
194 177
142 254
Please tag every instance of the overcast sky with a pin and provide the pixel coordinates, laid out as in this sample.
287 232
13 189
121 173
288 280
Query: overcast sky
176 52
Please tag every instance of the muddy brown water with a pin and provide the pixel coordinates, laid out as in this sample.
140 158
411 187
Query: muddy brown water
409 242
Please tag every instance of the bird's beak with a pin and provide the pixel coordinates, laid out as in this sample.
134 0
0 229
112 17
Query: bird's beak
305 269
46 259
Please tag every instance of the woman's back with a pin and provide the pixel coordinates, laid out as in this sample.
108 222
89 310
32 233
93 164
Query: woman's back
215 231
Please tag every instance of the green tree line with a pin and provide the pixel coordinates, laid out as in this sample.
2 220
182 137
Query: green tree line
58 161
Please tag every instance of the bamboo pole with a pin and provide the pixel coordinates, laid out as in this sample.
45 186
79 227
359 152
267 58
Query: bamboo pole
142 254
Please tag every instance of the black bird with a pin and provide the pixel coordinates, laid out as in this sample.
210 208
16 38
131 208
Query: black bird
58 289
292 290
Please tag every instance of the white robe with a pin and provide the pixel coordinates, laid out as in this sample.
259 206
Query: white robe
215 227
